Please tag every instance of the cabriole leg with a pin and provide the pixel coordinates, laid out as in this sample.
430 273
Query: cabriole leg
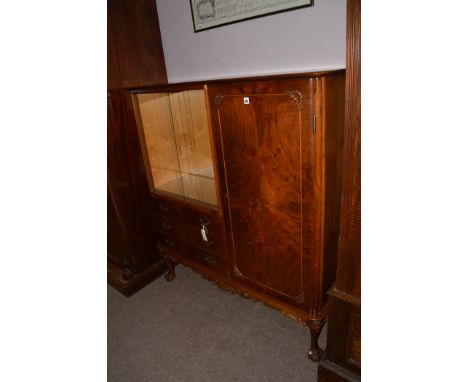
170 275
315 328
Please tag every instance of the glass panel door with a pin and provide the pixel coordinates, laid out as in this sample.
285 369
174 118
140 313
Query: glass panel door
177 138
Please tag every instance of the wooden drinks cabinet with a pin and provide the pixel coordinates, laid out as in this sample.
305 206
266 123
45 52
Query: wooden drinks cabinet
245 179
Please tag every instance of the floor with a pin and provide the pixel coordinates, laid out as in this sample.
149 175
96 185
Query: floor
189 330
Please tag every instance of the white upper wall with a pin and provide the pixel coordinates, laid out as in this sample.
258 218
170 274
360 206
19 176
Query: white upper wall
301 40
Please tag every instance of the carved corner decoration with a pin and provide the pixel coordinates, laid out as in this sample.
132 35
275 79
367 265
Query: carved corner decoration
218 99
296 96
299 299
237 272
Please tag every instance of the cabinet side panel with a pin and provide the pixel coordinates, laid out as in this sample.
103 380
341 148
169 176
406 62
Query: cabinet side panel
312 194
333 123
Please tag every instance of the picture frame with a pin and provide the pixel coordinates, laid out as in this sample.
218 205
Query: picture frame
208 14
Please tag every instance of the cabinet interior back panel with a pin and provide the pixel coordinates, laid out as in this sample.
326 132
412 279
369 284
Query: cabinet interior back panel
156 118
191 130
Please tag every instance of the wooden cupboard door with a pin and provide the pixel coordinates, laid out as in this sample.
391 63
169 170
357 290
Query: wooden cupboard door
261 136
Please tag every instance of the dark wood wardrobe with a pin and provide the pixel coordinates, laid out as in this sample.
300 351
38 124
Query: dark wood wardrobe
343 352
134 58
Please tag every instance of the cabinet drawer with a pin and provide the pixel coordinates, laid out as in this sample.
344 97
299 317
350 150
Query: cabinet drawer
168 208
195 217
192 235
215 244
189 214
168 225
214 263
193 254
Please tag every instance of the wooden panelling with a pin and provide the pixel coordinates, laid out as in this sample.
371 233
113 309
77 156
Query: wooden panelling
113 73
138 40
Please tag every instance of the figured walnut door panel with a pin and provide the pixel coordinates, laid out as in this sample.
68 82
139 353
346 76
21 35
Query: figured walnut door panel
262 158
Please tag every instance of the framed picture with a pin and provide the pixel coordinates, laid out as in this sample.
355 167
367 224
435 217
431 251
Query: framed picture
208 14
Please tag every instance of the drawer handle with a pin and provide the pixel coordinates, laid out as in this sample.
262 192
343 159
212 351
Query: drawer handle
204 222
204 233
166 226
163 208
209 260
170 243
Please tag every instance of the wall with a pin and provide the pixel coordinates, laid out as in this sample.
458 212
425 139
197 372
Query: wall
301 40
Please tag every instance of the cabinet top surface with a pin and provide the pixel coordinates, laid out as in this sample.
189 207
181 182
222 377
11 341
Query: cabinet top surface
200 84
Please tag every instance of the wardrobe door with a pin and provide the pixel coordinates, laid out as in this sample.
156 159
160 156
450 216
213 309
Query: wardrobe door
261 129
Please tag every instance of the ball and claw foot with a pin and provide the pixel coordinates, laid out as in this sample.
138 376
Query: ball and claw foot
316 354
169 276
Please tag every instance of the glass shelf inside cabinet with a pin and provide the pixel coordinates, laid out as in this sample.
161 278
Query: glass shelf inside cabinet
178 147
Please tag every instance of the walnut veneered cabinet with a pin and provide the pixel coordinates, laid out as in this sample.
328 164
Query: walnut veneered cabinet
245 176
